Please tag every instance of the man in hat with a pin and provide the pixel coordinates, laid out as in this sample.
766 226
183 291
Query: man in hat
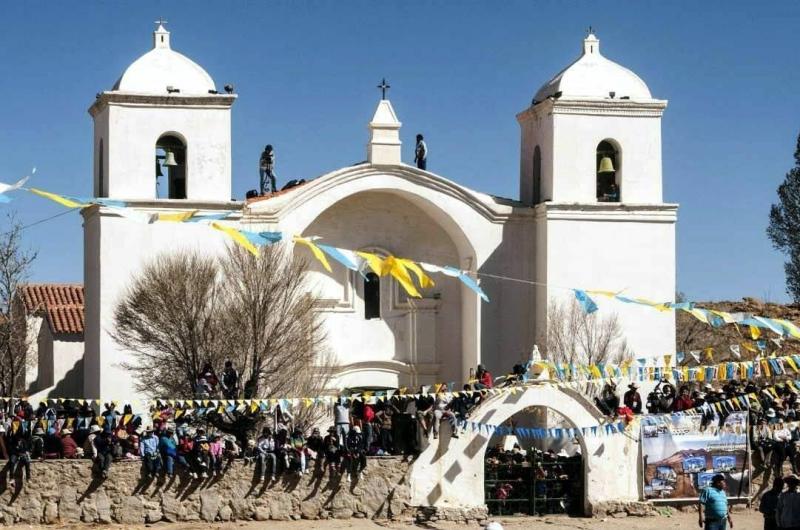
148 450
168 447
102 450
713 505
20 456
787 511
332 450
632 399
69 449
762 440
356 455
783 448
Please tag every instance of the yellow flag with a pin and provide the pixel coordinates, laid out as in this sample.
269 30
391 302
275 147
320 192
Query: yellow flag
69 203
175 217
709 354
400 273
749 347
314 250
423 279
755 332
236 236
374 261
667 361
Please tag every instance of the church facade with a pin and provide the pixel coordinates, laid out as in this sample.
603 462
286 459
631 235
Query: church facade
590 215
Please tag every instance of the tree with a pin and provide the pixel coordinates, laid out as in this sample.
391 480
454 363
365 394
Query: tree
575 336
186 309
784 225
170 319
14 340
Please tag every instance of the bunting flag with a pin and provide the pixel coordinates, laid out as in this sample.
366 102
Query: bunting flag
589 306
5 188
315 250
237 236
60 199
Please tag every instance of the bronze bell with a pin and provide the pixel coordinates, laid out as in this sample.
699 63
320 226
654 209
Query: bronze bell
606 165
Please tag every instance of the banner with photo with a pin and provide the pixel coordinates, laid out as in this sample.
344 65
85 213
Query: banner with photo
682 453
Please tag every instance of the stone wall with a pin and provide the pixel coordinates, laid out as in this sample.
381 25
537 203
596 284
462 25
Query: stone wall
65 491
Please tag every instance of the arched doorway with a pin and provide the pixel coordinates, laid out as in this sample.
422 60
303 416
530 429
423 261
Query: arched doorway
524 475
171 163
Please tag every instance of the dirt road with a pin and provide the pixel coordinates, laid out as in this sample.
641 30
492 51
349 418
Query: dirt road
749 520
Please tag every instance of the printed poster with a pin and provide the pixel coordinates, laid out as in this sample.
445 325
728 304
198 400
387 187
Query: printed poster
682 453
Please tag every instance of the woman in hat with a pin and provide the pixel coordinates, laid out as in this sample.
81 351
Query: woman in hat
787 512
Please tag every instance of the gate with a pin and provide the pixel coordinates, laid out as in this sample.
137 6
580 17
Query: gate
540 483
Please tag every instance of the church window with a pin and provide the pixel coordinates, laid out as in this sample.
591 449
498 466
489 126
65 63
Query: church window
372 296
171 167
101 192
607 164
537 175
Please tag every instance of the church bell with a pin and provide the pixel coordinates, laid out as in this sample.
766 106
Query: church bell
169 160
606 165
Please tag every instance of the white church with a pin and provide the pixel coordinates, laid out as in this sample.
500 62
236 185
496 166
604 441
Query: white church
590 215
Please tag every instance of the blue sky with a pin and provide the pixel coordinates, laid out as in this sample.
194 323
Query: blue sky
305 73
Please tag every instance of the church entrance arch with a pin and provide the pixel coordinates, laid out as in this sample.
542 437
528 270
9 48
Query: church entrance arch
451 472
434 336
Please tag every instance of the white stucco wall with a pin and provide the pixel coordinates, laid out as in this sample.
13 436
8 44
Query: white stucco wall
611 247
116 249
450 472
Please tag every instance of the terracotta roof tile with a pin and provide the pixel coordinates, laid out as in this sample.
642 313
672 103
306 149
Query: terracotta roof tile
269 196
62 304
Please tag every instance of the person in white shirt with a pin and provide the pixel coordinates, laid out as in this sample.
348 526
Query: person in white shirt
784 447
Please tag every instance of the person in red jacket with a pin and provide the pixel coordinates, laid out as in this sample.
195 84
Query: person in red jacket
684 401
484 377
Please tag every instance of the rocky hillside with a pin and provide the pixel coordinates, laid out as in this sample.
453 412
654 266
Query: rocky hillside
691 334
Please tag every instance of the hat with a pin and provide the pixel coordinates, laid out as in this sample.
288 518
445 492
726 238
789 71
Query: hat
38 430
251 443
563 453
331 429
770 413
66 431
95 429
357 429
633 385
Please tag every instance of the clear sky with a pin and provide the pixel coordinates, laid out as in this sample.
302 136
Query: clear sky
306 73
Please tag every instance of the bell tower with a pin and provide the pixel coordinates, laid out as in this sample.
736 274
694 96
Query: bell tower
163 131
590 165
592 134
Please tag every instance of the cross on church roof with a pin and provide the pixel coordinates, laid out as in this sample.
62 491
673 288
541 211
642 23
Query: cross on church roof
589 31
160 21
384 87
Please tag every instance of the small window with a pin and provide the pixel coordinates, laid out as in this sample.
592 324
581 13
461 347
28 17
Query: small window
372 296
537 176
171 163
607 164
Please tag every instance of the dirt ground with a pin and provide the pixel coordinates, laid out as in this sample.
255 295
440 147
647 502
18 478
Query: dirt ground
743 520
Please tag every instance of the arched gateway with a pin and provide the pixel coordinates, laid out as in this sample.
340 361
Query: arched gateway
449 473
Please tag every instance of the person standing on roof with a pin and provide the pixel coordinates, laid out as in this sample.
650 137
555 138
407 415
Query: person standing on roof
421 153
266 169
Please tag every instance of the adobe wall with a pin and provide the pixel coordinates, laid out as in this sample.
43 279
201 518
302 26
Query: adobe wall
63 491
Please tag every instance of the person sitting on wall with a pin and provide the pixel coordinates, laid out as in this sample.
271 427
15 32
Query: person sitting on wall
356 460
69 448
20 457
632 399
484 377
103 448
265 453
608 402
332 450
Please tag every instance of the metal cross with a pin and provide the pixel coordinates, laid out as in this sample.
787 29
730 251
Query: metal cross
384 87
590 30
160 21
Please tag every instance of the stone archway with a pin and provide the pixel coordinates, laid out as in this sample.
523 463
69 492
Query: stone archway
450 472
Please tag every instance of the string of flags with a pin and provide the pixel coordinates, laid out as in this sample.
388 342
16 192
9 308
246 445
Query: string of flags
404 270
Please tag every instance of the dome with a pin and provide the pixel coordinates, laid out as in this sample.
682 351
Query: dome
161 67
594 76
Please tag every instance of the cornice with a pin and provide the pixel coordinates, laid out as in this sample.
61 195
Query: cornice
131 99
652 108
622 212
